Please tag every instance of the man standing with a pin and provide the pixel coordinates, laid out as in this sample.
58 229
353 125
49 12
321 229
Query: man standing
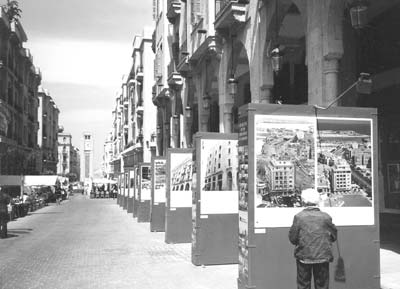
4 200
312 233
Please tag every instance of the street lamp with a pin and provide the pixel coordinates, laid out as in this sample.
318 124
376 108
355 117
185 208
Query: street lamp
206 102
359 13
276 59
363 85
232 85
188 112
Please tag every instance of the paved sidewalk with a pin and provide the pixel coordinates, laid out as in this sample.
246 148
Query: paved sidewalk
95 244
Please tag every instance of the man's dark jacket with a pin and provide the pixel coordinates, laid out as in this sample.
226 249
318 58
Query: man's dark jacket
312 233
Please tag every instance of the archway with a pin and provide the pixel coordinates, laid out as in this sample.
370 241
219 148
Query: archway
238 67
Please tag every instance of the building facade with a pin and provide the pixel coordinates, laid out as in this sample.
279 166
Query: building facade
68 157
47 134
213 56
19 81
134 129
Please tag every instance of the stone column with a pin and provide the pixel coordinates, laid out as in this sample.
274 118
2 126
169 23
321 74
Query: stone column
331 70
228 117
266 93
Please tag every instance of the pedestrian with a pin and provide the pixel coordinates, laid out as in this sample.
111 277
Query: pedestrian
4 200
312 233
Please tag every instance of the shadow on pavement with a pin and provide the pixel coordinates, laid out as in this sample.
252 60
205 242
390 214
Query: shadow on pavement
45 213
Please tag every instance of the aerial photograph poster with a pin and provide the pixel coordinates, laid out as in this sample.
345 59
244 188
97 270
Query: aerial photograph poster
332 155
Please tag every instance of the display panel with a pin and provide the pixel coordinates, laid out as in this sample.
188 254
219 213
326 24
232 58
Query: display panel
159 180
243 178
181 180
145 193
331 154
219 193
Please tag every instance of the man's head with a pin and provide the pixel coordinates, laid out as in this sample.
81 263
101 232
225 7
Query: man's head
310 197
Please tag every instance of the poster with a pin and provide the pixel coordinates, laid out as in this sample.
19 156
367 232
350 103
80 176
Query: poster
181 180
243 198
332 155
219 163
145 189
160 179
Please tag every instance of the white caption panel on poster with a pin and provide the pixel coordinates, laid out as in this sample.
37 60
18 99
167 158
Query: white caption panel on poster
159 181
295 153
145 193
219 165
181 180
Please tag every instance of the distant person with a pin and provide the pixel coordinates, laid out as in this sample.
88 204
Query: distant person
4 201
313 233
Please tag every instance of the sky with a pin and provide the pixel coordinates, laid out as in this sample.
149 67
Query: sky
83 49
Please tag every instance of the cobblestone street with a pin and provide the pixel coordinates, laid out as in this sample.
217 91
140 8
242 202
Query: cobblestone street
95 244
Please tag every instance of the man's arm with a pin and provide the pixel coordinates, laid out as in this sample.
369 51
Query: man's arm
332 230
294 232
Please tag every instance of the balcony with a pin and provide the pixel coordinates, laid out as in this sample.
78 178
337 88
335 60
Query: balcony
173 10
139 106
183 66
153 41
229 13
126 102
139 73
203 43
174 77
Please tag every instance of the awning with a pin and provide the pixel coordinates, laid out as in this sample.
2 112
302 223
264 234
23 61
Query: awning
40 180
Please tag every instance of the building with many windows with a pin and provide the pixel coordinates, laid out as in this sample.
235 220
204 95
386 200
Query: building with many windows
47 134
19 81
68 156
213 56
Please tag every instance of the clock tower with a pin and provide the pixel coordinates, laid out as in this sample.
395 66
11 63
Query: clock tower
87 156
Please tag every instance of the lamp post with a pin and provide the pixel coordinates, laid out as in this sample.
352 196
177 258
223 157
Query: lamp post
363 85
188 112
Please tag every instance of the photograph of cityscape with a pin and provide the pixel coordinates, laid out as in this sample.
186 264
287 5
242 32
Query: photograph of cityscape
219 165
344 151
180 194
145 193
285 159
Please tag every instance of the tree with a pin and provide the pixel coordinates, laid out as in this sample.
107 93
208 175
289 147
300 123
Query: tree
12 10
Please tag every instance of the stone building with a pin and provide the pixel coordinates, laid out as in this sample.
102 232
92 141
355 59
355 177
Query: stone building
134 128
68 156
47 134
19 81
213 56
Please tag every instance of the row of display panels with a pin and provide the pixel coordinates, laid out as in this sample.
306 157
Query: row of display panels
291 153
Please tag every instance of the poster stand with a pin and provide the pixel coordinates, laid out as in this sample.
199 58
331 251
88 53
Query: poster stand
284 149
135 192
158 194
131 187
144 193
178 206
215 200
120 195
125 190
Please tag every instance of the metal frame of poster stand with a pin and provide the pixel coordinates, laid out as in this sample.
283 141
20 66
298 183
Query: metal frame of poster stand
157 211
215 206
131 187
136 191
143 211
265 214
178 209
125 191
